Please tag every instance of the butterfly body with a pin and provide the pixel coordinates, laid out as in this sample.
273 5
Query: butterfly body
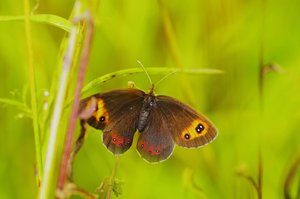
161 121
148 103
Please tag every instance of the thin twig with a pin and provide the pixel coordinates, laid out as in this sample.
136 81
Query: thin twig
251 180
75 108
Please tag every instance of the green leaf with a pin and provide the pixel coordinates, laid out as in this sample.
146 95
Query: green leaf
53 20
153 71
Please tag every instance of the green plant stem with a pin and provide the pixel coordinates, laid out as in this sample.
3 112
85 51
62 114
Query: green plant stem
259 176
33 95
51 153
298 191
174 50
168 28
289 178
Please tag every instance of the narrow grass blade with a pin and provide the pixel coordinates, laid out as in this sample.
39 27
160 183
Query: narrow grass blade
16 104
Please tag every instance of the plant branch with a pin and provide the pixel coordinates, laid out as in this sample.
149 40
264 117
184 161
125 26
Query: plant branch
75 108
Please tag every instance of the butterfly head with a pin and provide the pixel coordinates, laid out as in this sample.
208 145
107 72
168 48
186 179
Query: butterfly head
151 90
150 100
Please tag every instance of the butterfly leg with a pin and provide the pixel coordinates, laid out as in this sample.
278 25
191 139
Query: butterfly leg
84 113
78 145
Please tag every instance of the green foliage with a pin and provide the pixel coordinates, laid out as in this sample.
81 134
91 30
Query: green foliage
254 114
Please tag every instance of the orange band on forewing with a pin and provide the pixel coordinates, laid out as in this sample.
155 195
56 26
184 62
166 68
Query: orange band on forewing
101 111
97 114
191 133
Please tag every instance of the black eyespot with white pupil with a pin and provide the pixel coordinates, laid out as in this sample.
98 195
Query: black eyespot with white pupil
102 119
187 136
199 128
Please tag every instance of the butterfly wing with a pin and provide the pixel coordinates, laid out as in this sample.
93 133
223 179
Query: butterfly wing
187 127
116 114
155 143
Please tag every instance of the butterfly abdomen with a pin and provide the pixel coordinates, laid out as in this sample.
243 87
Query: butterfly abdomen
148 103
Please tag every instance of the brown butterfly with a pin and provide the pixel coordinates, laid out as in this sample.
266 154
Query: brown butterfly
161 121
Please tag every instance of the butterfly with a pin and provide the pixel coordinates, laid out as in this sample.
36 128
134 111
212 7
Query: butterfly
161 121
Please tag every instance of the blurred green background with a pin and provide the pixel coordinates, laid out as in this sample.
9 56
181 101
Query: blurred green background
234 36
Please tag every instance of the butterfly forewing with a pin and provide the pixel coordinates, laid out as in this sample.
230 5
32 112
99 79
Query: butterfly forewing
187 127
116 113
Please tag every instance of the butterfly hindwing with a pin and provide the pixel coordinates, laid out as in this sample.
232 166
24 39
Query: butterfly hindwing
155 143
116 114
187 127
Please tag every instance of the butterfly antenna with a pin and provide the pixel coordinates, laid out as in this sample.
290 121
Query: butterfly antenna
167 75
144 69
